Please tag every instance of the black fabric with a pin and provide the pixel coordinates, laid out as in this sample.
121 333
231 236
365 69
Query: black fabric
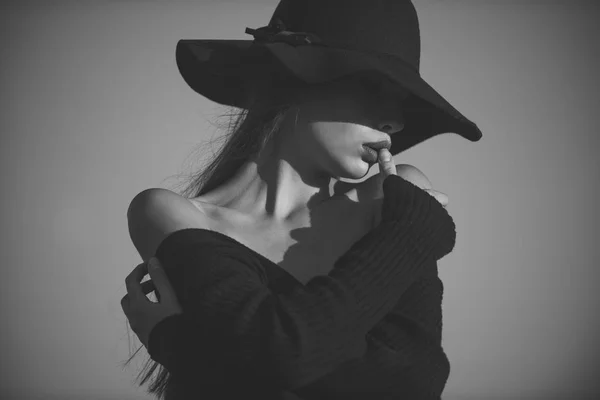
370 329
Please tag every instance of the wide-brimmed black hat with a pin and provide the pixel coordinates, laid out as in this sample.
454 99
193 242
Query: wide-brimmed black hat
317 41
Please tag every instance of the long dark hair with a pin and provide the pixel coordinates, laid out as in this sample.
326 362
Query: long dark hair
250 129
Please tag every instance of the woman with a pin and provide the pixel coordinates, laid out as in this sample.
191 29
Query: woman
270 284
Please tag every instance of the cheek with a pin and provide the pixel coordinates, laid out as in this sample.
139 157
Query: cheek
333 136
336 128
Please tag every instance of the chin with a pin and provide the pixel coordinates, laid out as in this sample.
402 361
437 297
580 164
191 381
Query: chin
356 170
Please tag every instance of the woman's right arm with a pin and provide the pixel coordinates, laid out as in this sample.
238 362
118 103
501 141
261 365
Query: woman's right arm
234 325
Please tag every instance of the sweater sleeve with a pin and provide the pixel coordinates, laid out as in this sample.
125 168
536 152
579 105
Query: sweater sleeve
406 357
234 325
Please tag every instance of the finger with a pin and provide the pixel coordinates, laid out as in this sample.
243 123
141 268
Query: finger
132 282
148 287
125 304
442 198
387 167
161 281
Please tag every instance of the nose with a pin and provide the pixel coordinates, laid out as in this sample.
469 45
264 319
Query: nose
390 115
391 126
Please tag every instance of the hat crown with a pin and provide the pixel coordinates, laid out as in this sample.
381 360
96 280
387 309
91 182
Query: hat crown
383 27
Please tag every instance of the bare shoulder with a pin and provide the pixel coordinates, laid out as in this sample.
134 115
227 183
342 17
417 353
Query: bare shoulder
155 213
164 202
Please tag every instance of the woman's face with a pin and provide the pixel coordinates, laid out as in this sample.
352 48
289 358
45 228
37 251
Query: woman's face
336 119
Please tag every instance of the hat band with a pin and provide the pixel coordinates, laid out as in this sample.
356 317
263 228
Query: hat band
267 35
276 32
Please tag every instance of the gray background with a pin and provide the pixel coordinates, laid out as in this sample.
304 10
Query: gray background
93 111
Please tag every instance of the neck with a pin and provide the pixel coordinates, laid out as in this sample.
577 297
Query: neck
276 187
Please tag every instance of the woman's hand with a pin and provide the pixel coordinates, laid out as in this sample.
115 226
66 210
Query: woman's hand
142 313
409 173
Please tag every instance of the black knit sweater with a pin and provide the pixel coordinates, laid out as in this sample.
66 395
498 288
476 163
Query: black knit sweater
370 329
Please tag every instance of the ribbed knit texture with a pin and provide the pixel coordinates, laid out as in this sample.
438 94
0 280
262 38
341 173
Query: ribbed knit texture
370 329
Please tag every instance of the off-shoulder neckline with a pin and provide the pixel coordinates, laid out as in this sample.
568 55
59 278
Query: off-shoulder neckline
171 236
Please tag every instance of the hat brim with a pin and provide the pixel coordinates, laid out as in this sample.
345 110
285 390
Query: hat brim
221 69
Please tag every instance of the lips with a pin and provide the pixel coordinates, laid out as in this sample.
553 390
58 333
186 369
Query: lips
379 145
